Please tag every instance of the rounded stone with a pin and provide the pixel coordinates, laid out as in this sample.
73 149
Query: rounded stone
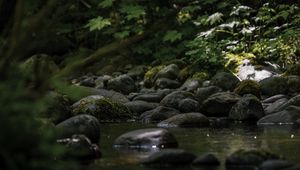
186 120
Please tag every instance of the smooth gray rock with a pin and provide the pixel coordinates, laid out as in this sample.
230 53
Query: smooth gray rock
276 106
224 80
294 101
189 105
273 99
190 85
162 83
273 85
169 157
82 124
171 72
185 120
123 84
140 106
146 139
173 99
154 97
287 116
158 114
247 108
207 160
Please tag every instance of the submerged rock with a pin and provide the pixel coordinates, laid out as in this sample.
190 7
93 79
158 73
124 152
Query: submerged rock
146 139
186 120
81 124
206 160
169 157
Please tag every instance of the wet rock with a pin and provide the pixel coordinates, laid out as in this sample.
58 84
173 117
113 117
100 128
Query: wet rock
123 84
293 83
273 85
101 82
294 101
140 106
155 97
171 72
273 99
173 99
206 160
248 87
102 108
189 105
203 93
287 116
81 124
275 165
146 139
186 120
219 104
158 114
190 85
169 157
163 83
226 81
248 158
276 106
79 147
247 108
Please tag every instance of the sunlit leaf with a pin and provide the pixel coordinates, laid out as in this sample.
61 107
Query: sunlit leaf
172 36
98 23
133 11
215 18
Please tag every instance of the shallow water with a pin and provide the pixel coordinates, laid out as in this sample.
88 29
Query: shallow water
282 140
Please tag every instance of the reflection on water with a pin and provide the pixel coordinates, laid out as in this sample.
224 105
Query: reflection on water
282 140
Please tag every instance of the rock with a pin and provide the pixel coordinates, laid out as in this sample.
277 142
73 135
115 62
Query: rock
275 165
101 82
150 75
171 72
186 120
190 85
247 108
273 85
163 83
219 104
249 158
204 92
293 83
146 139
248 87
140 106
89 82
206 160
79 147
81 124
173 99
169 157
294 69
123 84
189 105
273 99
293 101
287 116
154 97
219 122
226 81
276 106
102 108
158 114
137 72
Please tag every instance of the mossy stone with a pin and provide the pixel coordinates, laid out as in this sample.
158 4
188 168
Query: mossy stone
248 87
294 70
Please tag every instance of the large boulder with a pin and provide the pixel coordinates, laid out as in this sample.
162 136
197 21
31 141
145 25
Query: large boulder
276 106
162 83
171 72
102 108
224 80
219 104
204 92
249 158
123 84
287 116
169 157
273 85
248 107
81 124
158 114
186 120
189 105
294 101
140 106
146 139
173 99
248 87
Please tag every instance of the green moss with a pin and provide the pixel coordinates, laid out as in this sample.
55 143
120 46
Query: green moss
201 76
184 74
150 74
294 70
235 60
248 87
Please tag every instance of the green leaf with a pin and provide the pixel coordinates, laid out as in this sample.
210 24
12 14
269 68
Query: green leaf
172 36
98 23
106 3
215 18
121 35
133 11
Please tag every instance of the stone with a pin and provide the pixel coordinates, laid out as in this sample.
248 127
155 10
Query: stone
249 158
219 104
273 85
276 106
189 105
219 122
224 80
204 92
123 84
185 120
173 99
146 139
79 147
273 99
104 109
89 82
206 160
294 101
190 85
101 81
248 87
154 97
169 157
81 124
275 165
287 116
293 83
248 107
162 83
158 114
171 72
140 106
137 72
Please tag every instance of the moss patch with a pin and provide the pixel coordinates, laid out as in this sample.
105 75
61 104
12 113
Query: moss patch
235 60
248 87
